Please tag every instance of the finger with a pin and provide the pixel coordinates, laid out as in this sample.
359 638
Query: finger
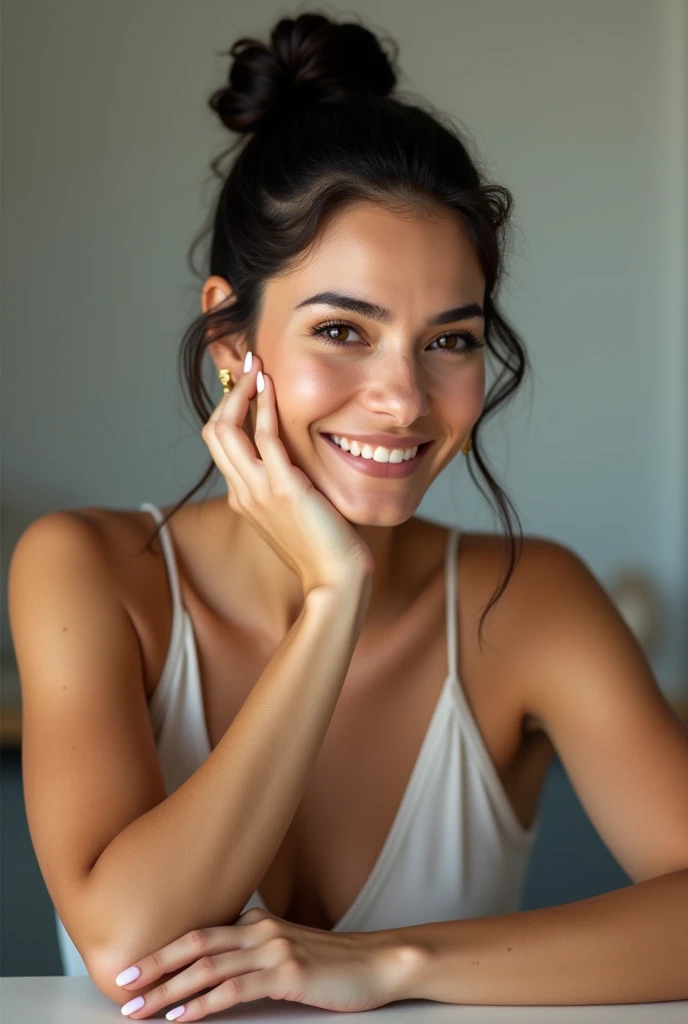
282 981
252 916
270 447
217 411
237 484
232 410
179 953
237 391
229 445
210 972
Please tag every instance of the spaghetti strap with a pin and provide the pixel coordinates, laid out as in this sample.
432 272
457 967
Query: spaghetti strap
451 606
168 551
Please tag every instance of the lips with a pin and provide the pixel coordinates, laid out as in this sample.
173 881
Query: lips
389 470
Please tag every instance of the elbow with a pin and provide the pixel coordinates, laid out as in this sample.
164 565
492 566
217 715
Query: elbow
98 951
101 945
103 968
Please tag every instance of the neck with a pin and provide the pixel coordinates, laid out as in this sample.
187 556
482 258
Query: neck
267 583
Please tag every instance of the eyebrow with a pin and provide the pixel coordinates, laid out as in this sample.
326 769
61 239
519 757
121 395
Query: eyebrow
385 316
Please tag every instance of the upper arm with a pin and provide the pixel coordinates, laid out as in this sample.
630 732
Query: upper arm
89 761
623 746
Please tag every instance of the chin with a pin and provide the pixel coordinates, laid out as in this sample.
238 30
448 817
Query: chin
382 515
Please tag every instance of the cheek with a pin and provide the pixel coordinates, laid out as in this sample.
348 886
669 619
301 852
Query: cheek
309 392
311 388
475 389
461 396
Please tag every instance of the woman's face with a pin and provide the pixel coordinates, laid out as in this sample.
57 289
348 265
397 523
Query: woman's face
394 373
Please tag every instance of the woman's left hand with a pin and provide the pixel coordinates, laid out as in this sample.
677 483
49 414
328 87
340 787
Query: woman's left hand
262 956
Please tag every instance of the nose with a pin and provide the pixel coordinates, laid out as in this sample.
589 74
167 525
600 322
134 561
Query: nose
396 388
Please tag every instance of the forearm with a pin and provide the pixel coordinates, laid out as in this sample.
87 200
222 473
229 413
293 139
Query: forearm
195 859
626 946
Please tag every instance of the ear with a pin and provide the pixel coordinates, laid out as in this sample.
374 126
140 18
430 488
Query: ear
228 352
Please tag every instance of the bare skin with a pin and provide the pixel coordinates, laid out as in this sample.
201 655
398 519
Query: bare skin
384 708
242 598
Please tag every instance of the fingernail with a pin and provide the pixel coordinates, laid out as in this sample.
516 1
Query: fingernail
131 974
173 1014
248 361
260 383
133 1004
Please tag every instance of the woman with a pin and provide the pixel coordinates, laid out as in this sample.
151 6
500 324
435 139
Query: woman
269 784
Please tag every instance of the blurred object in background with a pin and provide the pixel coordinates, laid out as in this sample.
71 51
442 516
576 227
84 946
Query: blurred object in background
639 601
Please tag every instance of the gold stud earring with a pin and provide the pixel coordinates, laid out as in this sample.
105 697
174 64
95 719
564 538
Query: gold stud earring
226 379
467 446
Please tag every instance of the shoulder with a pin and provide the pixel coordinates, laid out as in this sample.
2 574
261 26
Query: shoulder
112 540
70 530
568 646
546 580
482 560
545 575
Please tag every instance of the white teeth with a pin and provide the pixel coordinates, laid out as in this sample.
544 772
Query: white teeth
375 452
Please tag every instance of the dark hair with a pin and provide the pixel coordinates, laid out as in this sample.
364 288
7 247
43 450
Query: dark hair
323 131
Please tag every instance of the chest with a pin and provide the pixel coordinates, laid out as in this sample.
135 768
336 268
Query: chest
357 783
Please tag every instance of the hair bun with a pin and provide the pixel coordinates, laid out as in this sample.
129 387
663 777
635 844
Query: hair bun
310 59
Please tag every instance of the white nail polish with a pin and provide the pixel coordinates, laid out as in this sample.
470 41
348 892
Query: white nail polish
133 1004
131 974
260 383
248 362
173 1014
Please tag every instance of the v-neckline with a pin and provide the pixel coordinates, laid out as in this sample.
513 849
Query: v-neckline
412 793
423 761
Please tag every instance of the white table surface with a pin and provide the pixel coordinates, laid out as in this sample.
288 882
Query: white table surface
76 1000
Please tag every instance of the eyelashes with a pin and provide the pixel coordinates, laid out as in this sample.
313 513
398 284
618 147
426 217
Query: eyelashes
472 342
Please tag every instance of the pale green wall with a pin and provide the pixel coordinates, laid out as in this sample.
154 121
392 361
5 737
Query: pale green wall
579 108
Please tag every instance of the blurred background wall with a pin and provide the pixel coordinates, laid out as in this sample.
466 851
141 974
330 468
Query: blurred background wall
579 108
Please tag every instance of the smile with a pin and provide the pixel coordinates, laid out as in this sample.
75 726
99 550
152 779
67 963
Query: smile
372 467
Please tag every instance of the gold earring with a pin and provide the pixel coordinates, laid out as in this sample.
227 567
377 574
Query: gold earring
226 379
466 448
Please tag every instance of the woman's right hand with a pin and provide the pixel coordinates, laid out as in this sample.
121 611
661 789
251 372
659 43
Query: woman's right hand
296 519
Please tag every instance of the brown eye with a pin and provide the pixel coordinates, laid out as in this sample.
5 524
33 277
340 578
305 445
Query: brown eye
332 333
336 333
470 342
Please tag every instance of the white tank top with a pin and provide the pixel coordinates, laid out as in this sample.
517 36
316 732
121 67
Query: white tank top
455 849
